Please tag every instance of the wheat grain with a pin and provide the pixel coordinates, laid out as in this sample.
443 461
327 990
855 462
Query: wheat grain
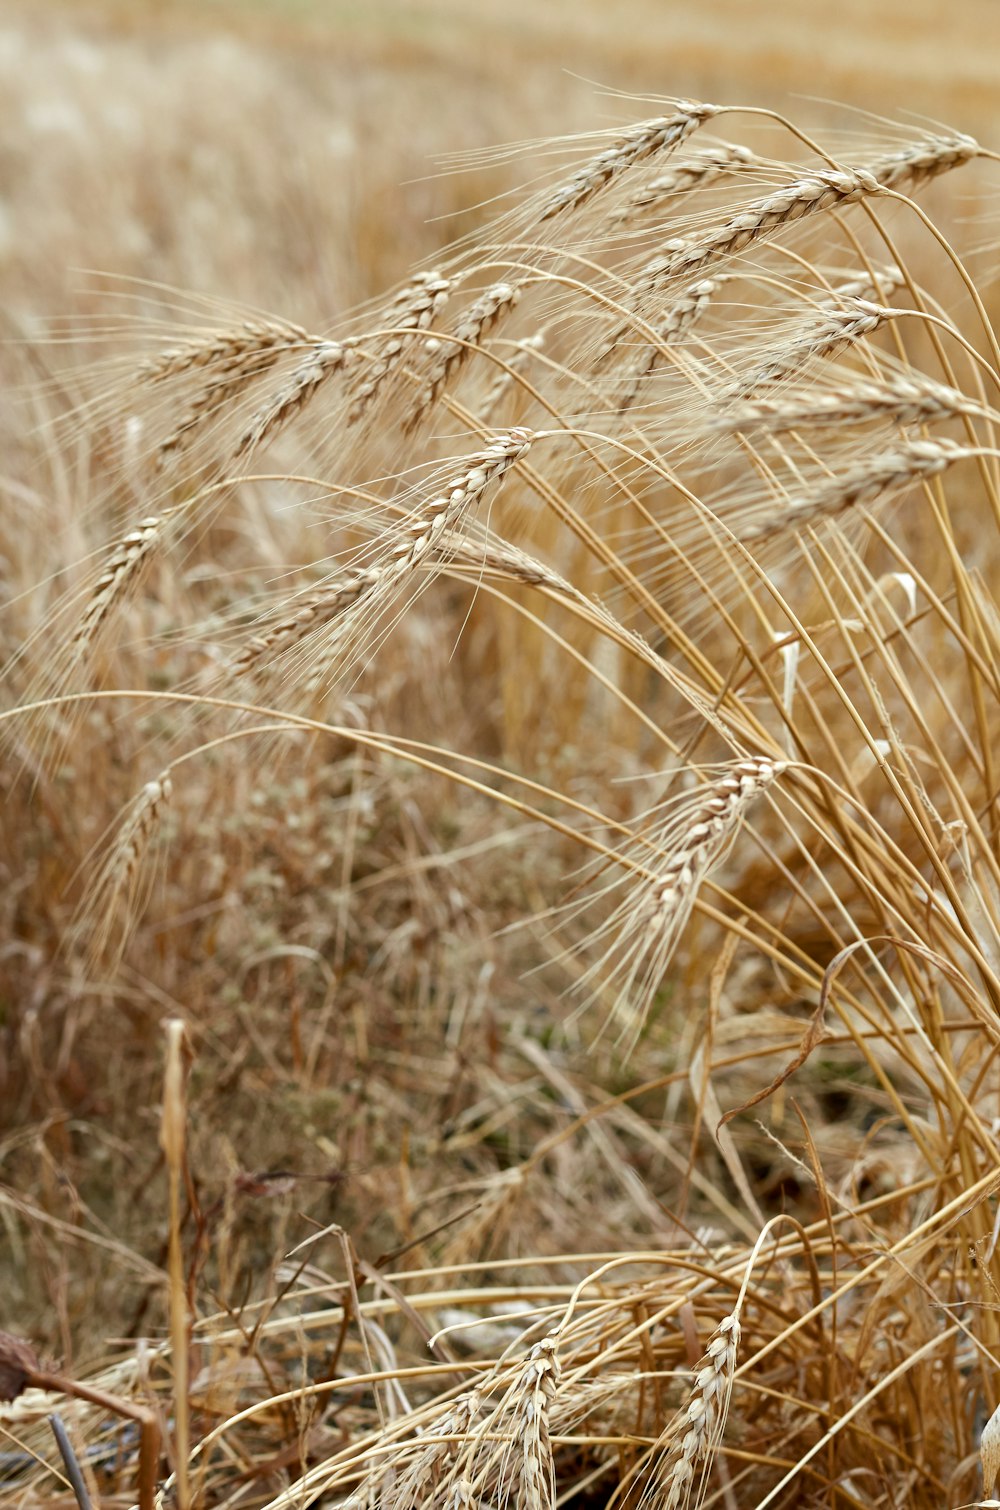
820 190
705 842
420 1482
923 159
214 400
368 591
308 614
442 513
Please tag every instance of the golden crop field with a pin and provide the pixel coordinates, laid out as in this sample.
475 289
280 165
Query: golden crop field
500 650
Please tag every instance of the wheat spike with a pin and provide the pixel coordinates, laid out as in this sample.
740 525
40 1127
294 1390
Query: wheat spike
517 361
857 317
694 171
119 579
699 1429
813 193
683 314
539 1380
872 479
322 360
115 896
646 140
678 855
214 399
310 613
220 348
415 308
910 400
475 323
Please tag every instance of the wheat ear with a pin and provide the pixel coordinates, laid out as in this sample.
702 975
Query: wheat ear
872 479
475 323
114 897
683 314
817 191
414 309
643 141
363 593
910 400
214 399
704 843
120 578
699 1430
517 361
219 349
830 332
323 359
673 860
695 171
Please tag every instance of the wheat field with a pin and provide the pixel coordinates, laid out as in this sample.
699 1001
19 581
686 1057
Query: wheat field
501 688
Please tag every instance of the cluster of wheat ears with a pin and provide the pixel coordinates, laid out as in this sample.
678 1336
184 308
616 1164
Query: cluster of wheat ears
702 431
